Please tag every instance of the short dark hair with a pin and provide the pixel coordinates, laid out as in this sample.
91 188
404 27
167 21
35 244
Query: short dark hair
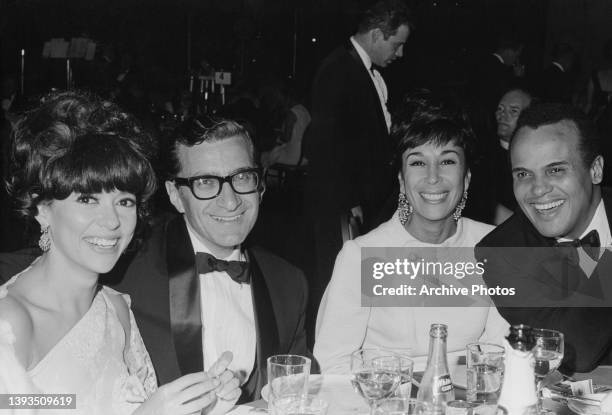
75 142
195 131
540 114
428 117
386 15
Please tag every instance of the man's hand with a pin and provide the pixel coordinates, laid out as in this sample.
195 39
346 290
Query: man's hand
186 395
357 212
228 391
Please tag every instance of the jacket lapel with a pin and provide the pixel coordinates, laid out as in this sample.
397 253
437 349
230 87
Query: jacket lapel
184 287
266 328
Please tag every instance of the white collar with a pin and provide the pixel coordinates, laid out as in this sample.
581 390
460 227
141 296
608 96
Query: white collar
365 58
198 246
558 65
498 56
504 144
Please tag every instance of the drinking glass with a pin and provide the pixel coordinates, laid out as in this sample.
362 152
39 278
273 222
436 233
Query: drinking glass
376 374
404 389
299 405
287 375
485 369
402 406
548 354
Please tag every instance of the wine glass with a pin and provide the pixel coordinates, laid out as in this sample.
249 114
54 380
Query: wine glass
548 354
376 374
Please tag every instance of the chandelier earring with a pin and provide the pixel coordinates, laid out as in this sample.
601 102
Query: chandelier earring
404 208
460 206
44 242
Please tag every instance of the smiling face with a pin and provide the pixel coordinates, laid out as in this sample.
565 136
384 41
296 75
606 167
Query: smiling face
89 231
508 111
224 222
552 185
433 179
385 51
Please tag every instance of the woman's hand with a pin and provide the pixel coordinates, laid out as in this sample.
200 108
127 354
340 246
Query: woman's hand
228 390
186 395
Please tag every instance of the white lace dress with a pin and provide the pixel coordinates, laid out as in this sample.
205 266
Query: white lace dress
91 361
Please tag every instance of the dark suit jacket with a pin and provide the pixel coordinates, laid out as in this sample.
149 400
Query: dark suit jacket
347 144
556 85
162 283
551 291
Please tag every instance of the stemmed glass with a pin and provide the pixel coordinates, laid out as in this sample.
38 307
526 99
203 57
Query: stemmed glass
376 374
548 354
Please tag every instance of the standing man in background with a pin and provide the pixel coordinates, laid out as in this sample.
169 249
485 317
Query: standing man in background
348 144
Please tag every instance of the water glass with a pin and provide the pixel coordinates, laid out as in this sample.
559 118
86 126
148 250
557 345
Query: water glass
406 368
287 376
376 374
299 405
485 370
402 406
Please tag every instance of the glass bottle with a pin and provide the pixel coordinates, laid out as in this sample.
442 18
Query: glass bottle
436 386
518 392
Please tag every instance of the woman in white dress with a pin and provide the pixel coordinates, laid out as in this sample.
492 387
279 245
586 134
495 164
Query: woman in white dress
434 140
80 169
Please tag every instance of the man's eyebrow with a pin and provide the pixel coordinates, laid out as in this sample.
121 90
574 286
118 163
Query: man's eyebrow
549 165
558 163
217 174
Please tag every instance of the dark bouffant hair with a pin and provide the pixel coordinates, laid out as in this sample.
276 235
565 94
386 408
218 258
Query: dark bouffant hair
75 142
427 117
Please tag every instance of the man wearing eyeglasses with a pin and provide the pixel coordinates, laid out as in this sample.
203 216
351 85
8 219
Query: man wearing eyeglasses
196 289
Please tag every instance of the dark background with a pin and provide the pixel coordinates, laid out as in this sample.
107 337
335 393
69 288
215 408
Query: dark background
255 38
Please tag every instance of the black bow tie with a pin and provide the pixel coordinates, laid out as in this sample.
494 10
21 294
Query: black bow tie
237 270
590 244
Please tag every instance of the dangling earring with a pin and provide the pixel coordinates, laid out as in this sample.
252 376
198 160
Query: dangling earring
404 208
44 242
459 208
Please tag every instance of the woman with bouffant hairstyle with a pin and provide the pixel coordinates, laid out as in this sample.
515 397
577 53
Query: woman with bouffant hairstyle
81 170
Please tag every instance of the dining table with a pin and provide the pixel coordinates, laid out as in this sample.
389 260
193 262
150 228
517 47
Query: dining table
343 400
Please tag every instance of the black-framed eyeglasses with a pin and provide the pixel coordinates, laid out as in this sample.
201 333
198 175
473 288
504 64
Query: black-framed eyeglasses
207 186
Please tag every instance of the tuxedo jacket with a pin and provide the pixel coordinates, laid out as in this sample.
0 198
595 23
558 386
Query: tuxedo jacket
551 290
163 284
347 143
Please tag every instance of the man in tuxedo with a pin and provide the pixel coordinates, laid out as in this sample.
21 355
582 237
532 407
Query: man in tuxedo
347 143
548 251
191 305
197 290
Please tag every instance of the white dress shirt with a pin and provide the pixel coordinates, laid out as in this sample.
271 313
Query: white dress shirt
228 319
377 79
